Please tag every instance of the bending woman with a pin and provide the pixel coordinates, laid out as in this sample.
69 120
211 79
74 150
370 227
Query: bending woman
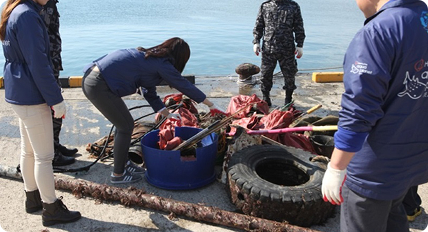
127 71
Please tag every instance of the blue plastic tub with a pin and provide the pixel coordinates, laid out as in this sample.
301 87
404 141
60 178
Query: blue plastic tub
168 170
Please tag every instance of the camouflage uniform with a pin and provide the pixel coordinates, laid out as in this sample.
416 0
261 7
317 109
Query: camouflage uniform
280 24
50 15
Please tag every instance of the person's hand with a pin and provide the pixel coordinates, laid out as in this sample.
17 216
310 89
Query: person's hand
332 185
298 52
59 110
216 110
256 48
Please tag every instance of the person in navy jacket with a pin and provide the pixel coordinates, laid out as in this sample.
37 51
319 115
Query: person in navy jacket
31 90
127 71
381 145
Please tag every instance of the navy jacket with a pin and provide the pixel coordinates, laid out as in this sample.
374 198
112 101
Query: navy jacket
28 74
127 70
385 105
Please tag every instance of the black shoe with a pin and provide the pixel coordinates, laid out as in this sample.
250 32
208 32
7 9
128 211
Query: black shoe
33 201
57 212
67 152
61 160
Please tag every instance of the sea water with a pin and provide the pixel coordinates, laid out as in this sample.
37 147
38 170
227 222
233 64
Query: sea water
219 32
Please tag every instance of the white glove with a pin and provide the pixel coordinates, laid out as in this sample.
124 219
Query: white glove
332 185
59 110
298 52
256 48
174 117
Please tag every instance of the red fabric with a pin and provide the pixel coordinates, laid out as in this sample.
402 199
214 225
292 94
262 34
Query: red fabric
239 101
276 119
175 121
293 140
187 119
217 111
282 119
297 140
273 120
167 129
166 135
248 123
173 143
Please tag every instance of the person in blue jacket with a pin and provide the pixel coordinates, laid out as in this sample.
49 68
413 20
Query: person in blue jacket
31 90
381 145
127 71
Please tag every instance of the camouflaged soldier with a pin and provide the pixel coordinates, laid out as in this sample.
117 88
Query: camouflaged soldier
279 23
50 15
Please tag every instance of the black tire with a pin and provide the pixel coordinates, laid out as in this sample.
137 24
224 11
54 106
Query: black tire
269 182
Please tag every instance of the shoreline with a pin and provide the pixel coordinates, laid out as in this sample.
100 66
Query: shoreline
76 81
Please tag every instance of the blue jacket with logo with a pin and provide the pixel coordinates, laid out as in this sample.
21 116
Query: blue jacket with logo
126 70
28 75
385 105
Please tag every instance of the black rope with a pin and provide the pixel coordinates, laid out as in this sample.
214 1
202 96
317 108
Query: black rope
85 168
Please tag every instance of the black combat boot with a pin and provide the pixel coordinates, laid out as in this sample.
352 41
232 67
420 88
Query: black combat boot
57 212
33 203
57 124
288 96
266 98
67 152
61 160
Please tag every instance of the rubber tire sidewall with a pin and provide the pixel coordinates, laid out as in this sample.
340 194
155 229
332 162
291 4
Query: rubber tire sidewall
299 205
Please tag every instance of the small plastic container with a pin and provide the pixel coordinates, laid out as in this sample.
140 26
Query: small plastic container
169 170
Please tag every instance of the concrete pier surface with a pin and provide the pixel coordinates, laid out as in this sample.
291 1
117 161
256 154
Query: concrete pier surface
84 124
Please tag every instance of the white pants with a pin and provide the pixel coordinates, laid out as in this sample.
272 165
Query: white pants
37 149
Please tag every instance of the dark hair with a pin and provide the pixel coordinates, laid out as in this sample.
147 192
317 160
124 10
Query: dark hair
175 48
7 10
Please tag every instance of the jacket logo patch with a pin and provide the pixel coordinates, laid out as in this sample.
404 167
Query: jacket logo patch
6 43
359 68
